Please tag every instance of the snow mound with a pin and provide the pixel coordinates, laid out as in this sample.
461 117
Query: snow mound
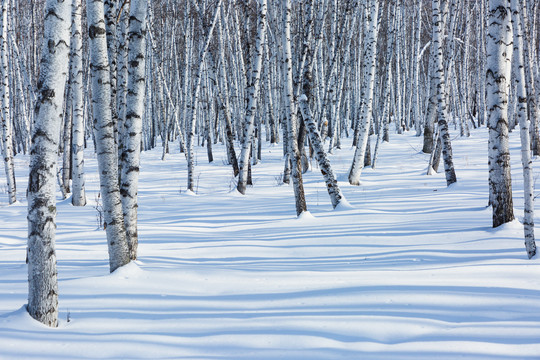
127 271
189 193
306 216
344 205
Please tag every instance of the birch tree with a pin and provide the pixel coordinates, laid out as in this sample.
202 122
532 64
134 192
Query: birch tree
524 123
253 94
41 253
107 152
122 73
133 122
77 104
440 85
369 83
290 112
195 102
7 135
498 67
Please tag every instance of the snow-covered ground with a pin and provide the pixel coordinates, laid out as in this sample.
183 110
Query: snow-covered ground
412 270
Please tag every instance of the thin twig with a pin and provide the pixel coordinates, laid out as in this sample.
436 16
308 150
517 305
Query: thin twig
120 11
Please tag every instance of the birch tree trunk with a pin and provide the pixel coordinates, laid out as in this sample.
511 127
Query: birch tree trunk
107 151
417 113
42 272
532 85
195 103
66 164
440 85
290 111
499 57
122 74
7 135
133 123
253 94
318 150
526 161
78 197
369 81
110 8
387 84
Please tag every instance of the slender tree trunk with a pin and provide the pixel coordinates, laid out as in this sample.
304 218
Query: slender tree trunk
441 94
42 272
223 103
78 197
318 150
107 151
133 122
526 161
387 86
499 55
253 94
66 163
369 77
122 75
290 111
7 135
110 8
195 103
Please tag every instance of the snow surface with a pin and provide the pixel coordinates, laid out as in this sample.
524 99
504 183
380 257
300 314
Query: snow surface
409 270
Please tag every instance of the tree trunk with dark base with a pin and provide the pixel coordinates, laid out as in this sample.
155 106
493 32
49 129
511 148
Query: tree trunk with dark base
499 55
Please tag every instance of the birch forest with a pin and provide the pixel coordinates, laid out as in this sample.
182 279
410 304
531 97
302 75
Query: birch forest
118 78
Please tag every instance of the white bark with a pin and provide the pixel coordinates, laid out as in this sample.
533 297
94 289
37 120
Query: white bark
7 135
253 94
225 104
42 272
290 111
133 121
440 85
107 151
77 103
417 112
318 150
524 123
369 81
195 103
499 57
122 73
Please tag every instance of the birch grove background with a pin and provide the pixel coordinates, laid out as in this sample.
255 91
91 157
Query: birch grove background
201 66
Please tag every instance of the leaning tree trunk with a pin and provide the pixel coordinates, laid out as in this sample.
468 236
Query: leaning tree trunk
42 273
305 89
133 121
318 150
526 161
78 197
107 152
253 94
7 136
499 58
